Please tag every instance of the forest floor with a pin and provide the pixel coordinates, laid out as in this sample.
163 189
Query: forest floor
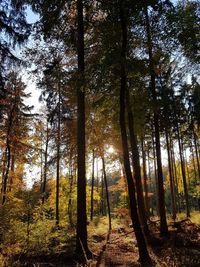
181 249
119 248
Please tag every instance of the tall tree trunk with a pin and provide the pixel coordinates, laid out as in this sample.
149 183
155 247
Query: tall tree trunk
45 164
161 196
172 189
97 173
81 228
143 252
41 168
92 189
197 155
150 182
183 170
145 177
102 195
136 167
71 180
175 175
58 157
12 168
193 163
107 194
5 179
155 171
3 169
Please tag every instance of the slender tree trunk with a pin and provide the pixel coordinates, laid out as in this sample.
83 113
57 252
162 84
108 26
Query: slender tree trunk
193 163
41 165
150 182
81 228
161 196
173 201
175 175
183 171
45 165
107 194
97 173
136 167
58 157
3 169
197 155
12 168
102 196
155 173
5 180
145 177
92 188
143 252
71 180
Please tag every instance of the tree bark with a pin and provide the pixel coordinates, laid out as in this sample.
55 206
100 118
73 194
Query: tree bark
143 252
12 168
102 196
145 177
58 157
155 172
183 171
81 229
71 180
172 189
197 155
175 175
45 164
161 196
193 162
5 179
136 167
107 193
92 189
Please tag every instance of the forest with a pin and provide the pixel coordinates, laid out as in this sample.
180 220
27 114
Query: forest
103 168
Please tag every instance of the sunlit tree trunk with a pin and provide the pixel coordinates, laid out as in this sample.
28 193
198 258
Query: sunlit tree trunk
193 162
58 156
197 155
71 181
175 175
102 195
45 165
150 183
183 170
155 171
97 173
92 189
12 168
107 193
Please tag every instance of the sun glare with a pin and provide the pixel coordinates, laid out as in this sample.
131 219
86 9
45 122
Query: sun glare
110 150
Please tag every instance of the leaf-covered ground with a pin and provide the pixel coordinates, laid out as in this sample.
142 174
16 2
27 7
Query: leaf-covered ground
181 249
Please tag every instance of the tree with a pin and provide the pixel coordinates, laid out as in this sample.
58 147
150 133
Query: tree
161 203
15 127
81 238
143 252
14 31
